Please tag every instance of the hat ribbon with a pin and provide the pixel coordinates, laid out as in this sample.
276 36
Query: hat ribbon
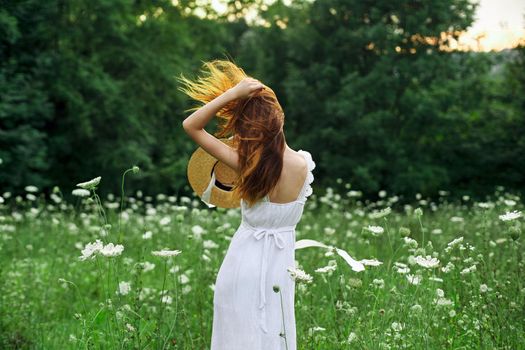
356 265
206 195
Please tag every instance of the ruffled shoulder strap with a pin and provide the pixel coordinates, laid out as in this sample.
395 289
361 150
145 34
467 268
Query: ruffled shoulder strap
306 191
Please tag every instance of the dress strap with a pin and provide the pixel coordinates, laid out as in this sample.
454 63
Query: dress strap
306 190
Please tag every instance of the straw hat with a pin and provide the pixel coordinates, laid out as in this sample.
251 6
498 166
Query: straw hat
211 179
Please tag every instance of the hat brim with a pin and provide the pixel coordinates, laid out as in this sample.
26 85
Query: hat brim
199 174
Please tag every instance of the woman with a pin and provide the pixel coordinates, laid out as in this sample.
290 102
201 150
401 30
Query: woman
249 313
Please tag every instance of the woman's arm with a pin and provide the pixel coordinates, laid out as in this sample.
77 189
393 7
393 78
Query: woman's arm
201 117
195 123
194 127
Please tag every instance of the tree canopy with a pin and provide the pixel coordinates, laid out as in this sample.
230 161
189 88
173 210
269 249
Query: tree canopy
371 88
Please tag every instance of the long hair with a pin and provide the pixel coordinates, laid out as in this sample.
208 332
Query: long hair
256 124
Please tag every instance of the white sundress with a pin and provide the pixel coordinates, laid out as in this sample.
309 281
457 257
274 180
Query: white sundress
247 313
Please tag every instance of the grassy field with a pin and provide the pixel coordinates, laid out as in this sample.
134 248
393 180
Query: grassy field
451 274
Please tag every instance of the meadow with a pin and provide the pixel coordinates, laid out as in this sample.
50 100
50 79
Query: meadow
135 271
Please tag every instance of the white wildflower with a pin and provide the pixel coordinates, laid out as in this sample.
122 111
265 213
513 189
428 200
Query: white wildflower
401 269
410 242
313 330
375 229
447 268
165 221
510 215
166 299
355 282
91 184
166 253
80 192
328 268
468 270
351 337
437 231
379 283
413 279
370 262
147 266
396 326
380 213
485 205
209 244
147 235
329 231
443 302
32 189
112 250
455 241
509 202
197 231
428 261
184 279
400 264
435 279
186 289
91 249
416 308
124 288
299 275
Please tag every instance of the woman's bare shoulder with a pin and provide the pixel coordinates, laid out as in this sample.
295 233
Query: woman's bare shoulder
295 160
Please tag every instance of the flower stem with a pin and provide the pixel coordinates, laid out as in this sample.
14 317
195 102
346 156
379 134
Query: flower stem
121 206
160 304
422 234
284 326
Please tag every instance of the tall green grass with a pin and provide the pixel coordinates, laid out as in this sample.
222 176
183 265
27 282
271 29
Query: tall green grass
451 275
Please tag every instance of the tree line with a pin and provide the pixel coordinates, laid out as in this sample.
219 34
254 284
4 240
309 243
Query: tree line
373 89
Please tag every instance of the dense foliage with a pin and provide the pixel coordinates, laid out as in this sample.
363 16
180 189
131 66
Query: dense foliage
370 88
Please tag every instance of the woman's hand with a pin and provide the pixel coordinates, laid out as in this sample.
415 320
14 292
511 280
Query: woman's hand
246 88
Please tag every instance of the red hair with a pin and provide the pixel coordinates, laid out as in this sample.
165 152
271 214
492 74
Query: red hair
256 124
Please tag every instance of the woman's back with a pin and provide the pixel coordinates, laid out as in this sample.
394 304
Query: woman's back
269 213
293 176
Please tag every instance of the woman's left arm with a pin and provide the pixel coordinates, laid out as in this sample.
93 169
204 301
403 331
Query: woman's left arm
194 127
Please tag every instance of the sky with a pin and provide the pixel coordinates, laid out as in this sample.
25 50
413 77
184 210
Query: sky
499 24
502 22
